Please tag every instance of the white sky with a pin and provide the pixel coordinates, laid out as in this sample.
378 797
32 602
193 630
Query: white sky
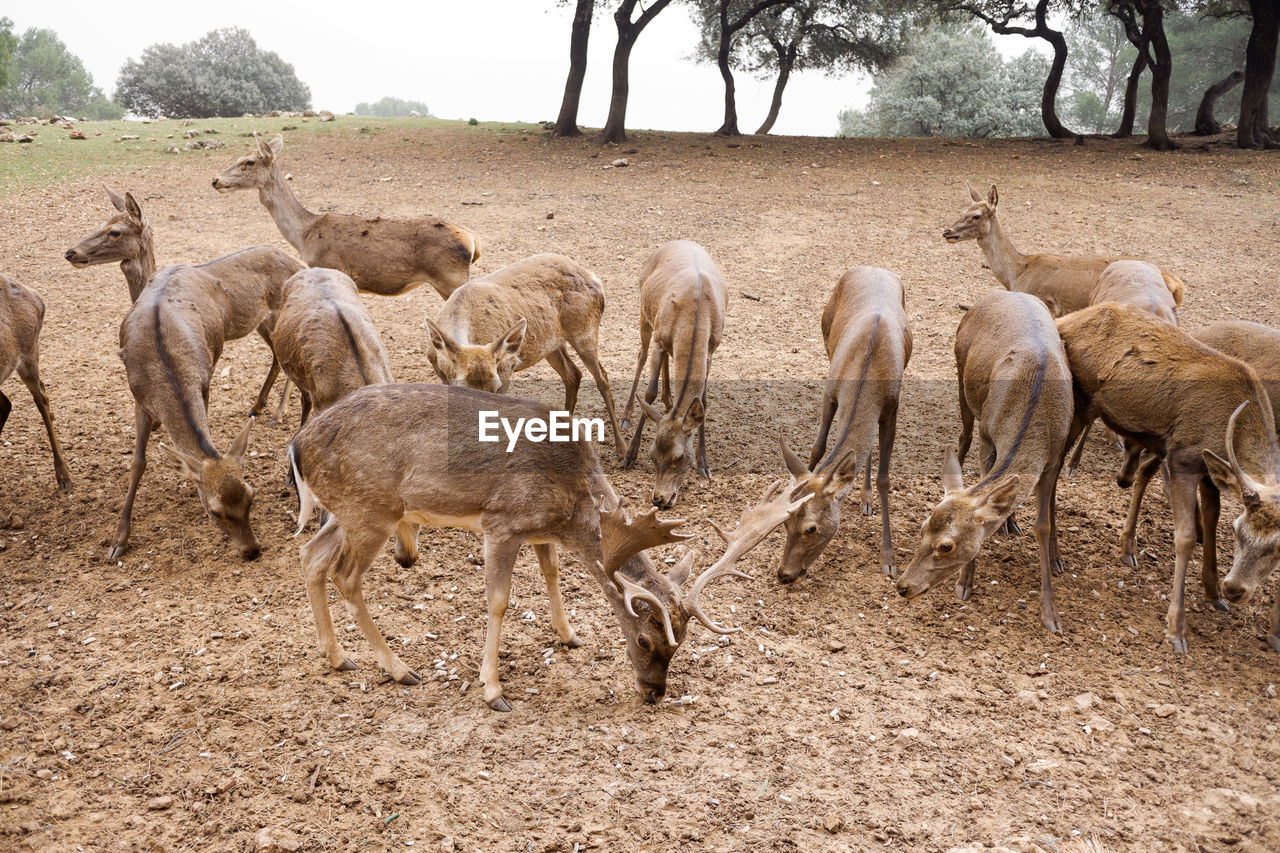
501 60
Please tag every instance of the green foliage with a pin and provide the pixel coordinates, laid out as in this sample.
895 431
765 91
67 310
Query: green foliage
390 107
7 43
954 83
1098 64
223 74
45 79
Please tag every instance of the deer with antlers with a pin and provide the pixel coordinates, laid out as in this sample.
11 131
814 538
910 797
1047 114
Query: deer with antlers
868 340
21 318
534 309
252 277
683 300
383 256
1064 282
1180 399
1014 380
416 459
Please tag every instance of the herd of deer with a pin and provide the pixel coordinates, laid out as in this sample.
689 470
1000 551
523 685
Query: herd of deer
1069 340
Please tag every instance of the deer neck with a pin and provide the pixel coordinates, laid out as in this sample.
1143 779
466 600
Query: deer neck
138 270
290 216
1006 262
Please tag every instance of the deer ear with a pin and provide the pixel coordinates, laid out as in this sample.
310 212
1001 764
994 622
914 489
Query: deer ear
973 194
188 466
1224 477
1000 501
131 207
241 444
680 571
696 415
795 467
952 475
993 197
277 145
445 346
508 345
116 200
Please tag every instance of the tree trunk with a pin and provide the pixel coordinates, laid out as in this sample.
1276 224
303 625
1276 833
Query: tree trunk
1049 100
785 63
729 127
1259 68
567 122
1157 122
614 129
1129 111
1206 124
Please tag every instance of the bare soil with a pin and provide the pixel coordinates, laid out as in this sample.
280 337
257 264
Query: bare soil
176 701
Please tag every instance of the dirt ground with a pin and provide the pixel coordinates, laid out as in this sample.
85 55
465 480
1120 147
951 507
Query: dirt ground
177 701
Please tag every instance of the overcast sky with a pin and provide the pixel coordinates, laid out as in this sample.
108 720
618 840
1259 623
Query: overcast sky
492 59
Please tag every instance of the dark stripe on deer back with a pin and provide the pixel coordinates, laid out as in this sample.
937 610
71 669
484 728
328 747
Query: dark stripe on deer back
355 348
1006 458
162 352
849 417
693 344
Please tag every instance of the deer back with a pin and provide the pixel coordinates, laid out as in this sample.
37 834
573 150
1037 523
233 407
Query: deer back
253 279
21 317
1253 343
1139 284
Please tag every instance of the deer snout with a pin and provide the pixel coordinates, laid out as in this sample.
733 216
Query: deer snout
73 257
949 236
664 501
215 184
250 551
651 692
1234 591
908 590
790 574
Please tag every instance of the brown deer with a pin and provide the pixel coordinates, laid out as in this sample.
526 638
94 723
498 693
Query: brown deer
383 256
170 341
21 318
868 340
1064 282
683 300
389 455
528 311
1157 385
1015 381
252 277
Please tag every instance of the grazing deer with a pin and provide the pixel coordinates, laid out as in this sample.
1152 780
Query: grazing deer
1157 385
390 455
21 318
170 341
683 300
1015 381
528 311
1064 282
383 256
252 277
868 340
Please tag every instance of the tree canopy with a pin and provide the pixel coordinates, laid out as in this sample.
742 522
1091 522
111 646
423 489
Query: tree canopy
44 78
390 107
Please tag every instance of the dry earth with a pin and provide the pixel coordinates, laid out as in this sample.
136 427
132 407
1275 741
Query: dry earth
176 701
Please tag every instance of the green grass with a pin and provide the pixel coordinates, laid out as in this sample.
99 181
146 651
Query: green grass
54 158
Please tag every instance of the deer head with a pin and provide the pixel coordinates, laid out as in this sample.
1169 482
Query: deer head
1257 529
253 169
486 367
126 236
674 449
975 220
226 497
954 532
810 530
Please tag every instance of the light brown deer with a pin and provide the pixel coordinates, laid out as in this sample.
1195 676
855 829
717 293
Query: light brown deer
21 318
1064 282
383 256
1015 381
683 300
868 340
1157 385
170 341
389 455
534 309
252 277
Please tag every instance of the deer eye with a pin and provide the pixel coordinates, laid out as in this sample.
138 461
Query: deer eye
810 529
248 163
114 232
977 216
644 643
945 548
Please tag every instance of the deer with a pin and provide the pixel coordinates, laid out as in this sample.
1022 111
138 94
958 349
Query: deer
528 311
415 459
252 277
868 340
383 256
170 342
683 299
21 319
1182 400
1064 282
1015 382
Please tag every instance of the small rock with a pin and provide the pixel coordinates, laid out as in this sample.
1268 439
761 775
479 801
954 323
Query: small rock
620 163
835 645
447 844
44 773
1028 697
1085 701
909 733
275 839
1099 724
77 134
1165 711
1270 691
833 822
1245 804
157 804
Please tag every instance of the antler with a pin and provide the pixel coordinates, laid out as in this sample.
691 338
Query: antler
1248 486
755 524
632 592
622 538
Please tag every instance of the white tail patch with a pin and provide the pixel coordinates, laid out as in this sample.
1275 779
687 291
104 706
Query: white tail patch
307 502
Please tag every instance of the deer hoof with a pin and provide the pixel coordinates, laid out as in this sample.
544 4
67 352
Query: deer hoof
410 678
65 485
499 704
573 642
347 665
1179 645
889 569
116 552
1130 559
1058 566
1051 624
1010 527
963 591
406 560
1221 604
868 509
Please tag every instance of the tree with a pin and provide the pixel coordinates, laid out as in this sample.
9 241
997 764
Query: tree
1096 68
47 79
724 19
628 31
390 107
1161 62
7 43
1259 70
1128 17
567 121
223 74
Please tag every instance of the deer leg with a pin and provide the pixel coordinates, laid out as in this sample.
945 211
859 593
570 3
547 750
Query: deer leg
357 555
1210 507
1182 494
29 373
407 543
319 557
499 560
5 408
282 405
966 425
260 405
829 406
587 351
1044 538
888 431
1273 638
645 332
864 499
1073 462
1129 536
704 470
569 373
964 586
1055 555
666 383
1133 456
549 562
306 408
650 394
142 426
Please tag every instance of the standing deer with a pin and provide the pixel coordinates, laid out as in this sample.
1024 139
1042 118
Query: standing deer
1158 386
868 340
252 277
683 300
1015 381
170 341
1064 282
383 256
21 318
528 311
389 455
